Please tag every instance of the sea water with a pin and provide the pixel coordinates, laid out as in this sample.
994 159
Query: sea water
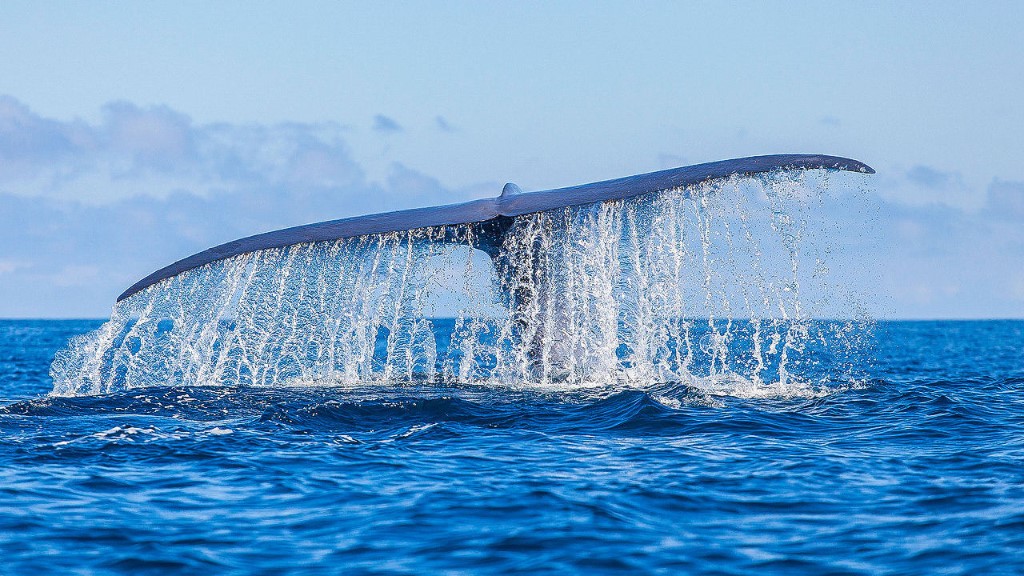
650 389
916 469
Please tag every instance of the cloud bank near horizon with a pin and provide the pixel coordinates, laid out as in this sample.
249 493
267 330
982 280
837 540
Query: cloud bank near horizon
88 208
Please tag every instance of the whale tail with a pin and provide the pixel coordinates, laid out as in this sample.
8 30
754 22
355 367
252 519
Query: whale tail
492 217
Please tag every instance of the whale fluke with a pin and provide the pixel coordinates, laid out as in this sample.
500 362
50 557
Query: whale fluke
493 215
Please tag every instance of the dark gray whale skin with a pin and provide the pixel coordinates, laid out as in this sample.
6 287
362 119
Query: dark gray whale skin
493 214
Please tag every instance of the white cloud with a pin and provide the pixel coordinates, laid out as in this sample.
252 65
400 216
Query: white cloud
9 266
157 152
95 207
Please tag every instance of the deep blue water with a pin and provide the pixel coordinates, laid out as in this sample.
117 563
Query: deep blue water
917 470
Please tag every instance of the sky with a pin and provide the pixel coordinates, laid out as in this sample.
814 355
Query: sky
134 134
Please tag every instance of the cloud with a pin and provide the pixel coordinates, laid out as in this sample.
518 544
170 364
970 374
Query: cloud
940 260
157 152
30 144
88 208
155 138
416 187
8 266
923 185
382 123
443 125
95 206
929 177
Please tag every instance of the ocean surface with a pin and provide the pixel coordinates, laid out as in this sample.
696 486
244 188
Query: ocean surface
915 467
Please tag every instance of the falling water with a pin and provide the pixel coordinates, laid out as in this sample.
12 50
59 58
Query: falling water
716 285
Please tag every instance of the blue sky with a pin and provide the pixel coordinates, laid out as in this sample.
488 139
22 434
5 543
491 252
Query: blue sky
132 134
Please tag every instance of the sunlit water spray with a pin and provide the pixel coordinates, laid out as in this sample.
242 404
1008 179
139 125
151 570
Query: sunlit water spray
714 287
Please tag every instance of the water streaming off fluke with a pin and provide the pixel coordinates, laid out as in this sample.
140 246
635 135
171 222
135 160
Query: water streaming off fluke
711 284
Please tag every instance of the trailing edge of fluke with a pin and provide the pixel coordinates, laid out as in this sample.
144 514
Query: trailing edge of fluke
512 202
